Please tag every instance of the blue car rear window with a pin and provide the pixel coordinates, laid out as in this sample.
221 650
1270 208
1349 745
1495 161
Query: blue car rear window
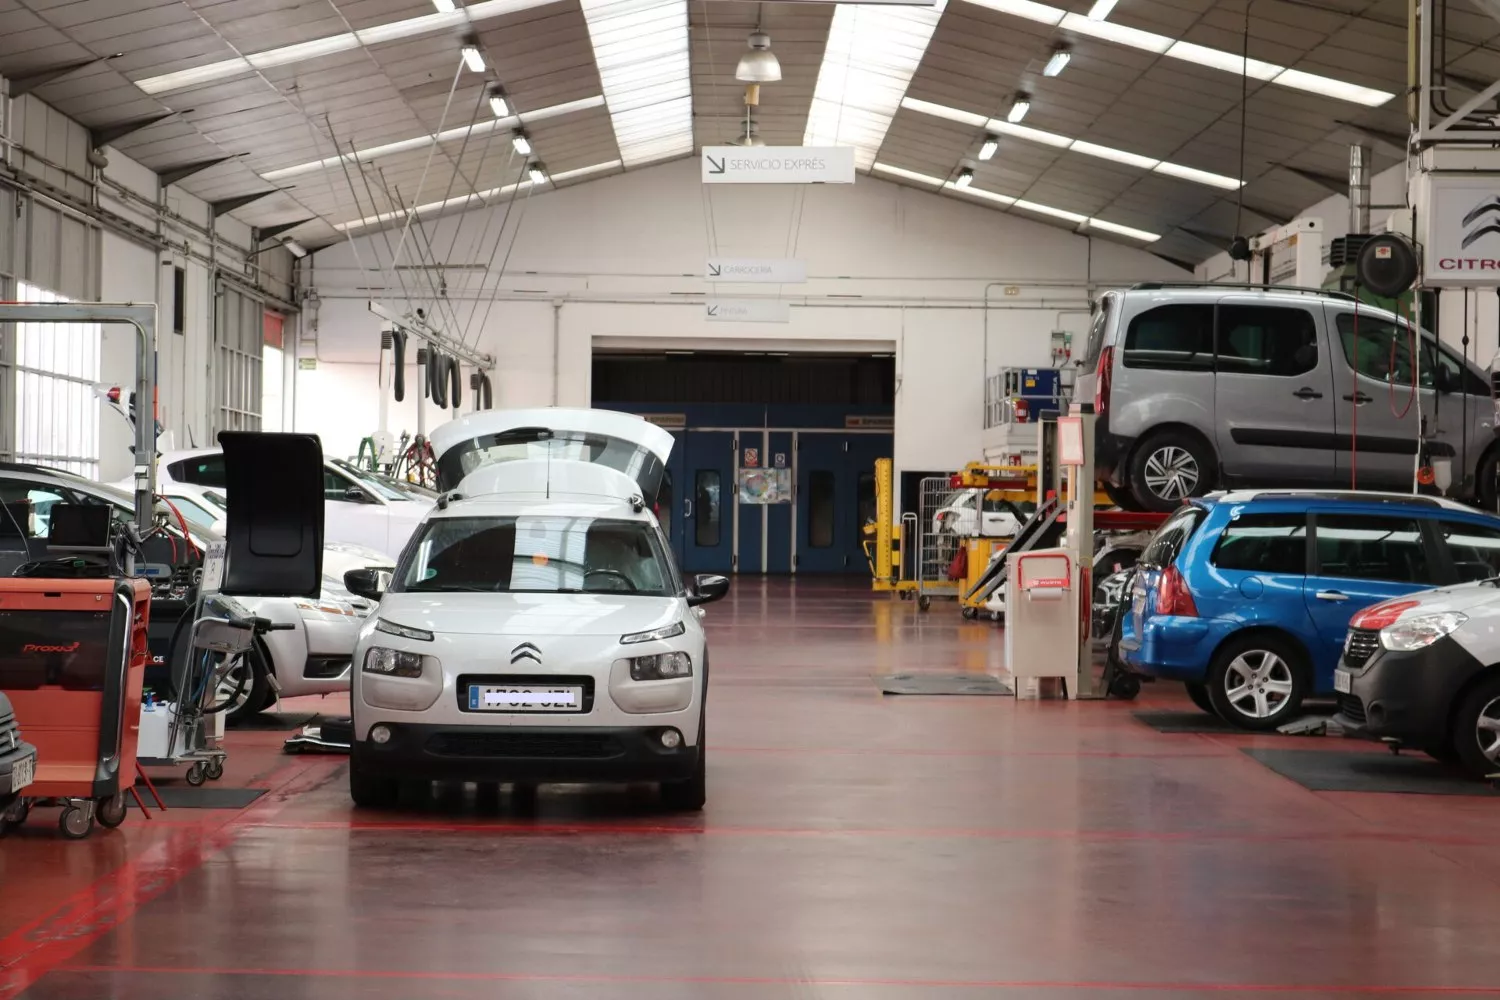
1264 543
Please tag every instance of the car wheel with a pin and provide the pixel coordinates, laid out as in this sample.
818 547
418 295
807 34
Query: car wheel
691 794
1121 497
246 687
1257 682
1487 480
1476 729
370 791
1199 694
1168 468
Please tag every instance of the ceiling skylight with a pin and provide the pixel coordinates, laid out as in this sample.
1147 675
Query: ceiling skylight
1200 55
641 47
872 52
1073 145
423 141
411 27
969 191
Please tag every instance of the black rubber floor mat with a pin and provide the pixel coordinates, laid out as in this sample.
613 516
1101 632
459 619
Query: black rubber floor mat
1190 721
1369 771
206 797
970 684
273 722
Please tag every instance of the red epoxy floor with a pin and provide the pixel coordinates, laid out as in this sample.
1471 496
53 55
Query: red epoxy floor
854 846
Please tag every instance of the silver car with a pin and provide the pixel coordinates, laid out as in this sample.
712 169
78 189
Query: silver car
1201 387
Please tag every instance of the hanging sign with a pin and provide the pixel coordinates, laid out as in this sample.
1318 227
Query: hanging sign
1462 238
747 311
778 164
307 364
770 271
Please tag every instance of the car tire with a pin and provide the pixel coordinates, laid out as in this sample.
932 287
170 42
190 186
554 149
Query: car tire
1476 728
1167 468
1121 497
688 795
1487 480
371 791
1257 682
1199 694
257 695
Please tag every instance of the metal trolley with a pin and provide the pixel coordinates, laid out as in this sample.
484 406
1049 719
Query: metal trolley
935 549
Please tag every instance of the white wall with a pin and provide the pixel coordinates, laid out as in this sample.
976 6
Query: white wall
620 261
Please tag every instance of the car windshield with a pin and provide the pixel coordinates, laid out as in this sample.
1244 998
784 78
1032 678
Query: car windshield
536 555
375 486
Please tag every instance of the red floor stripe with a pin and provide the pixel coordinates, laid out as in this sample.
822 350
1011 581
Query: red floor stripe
1229 751
30 952
989 984
503 827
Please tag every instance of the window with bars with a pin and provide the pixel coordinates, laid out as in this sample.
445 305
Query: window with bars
56 409
239 332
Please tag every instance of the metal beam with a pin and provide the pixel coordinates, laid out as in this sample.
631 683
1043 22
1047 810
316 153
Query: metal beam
20 86
418 328
105 135
1328 182
228 205
271 232
1395 141
178 174
1218 241
143 318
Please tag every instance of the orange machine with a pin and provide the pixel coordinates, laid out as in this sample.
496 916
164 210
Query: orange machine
72 661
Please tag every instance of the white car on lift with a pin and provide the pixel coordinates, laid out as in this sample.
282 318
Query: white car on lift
537 629
358 509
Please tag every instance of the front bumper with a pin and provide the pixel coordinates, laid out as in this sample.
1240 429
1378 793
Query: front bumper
1406 697
425 752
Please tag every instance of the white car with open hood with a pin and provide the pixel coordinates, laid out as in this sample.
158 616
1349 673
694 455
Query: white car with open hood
537 628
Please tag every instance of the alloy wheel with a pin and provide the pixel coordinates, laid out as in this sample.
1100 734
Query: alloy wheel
1258 684
1171 472
235 686
1487 731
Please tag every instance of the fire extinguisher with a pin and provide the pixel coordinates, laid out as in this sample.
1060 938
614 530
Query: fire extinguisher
1023 411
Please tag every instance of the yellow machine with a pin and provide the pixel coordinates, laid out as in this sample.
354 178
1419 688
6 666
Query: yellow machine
882 540
1013 482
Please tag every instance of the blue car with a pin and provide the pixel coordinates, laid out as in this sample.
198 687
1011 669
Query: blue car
1246 596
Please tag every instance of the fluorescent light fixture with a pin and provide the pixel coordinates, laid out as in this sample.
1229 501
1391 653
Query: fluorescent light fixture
473 58
910 175
988 148
1114 227
294 248
499 106
411 27
641 49
943 111
1053 139
872 52
445 6
1058 62
1100 10
521 143
1018 109
1150 41
1056 213
965 178
537 174
597 168
423 141
974 192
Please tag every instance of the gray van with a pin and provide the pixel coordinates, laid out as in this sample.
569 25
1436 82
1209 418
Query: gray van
1202 387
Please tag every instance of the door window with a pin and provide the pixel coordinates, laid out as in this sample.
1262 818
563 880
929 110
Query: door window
1171 536
706 490
1456 375
1474 549
1377 348
1267 340
1264 543
335 486
27 510
820 509
207 470
1172 338
1372 547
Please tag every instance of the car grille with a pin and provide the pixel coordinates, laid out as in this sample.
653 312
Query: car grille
544 745
1360 646
1351 708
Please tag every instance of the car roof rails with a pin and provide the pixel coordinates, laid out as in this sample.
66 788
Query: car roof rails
1350 496
1152 286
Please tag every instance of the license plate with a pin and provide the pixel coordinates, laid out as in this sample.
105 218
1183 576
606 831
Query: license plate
22 774
1342 681
524 698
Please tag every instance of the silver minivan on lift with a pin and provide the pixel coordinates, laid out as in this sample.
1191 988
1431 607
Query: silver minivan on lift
1202 387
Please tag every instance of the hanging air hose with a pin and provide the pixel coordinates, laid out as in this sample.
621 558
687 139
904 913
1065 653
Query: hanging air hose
437 378
479 384
454 372
397 345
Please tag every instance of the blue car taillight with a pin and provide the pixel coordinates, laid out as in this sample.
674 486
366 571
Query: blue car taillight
1173 596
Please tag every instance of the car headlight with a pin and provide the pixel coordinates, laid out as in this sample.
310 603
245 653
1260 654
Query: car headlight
404 631
665 632
328 606
661 667
1419 632
392 662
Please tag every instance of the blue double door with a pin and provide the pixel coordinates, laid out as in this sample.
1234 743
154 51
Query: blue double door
832 478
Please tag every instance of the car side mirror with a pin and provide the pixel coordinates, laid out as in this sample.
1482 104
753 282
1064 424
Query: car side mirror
708 588
356 495
1444 380
369 583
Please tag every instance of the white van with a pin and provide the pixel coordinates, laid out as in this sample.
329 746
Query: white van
537 628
